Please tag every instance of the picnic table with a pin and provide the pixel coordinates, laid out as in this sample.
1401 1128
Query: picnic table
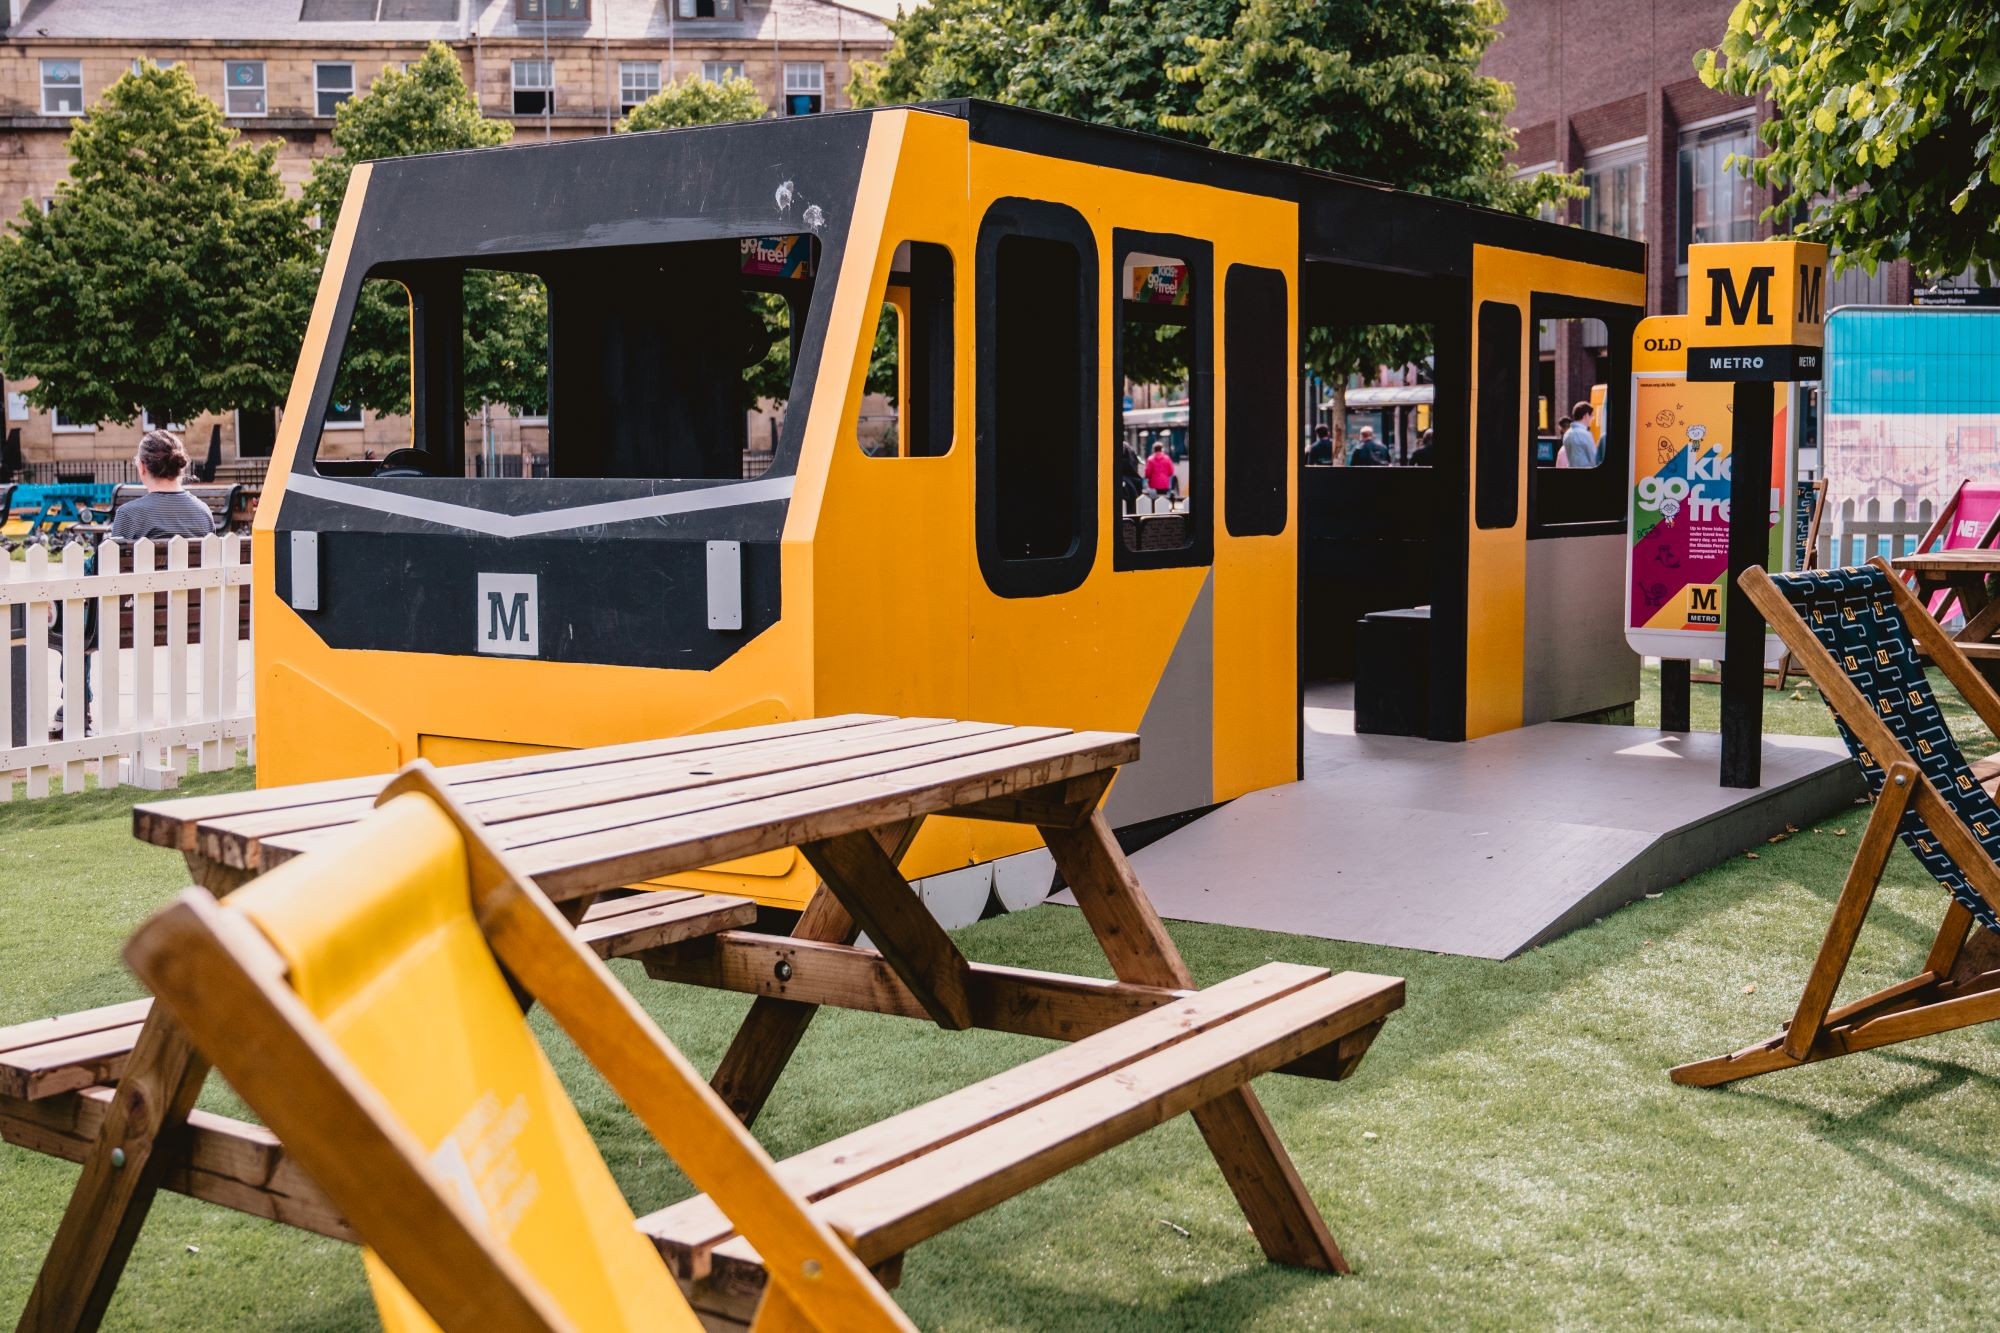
1966 577
851 793
59 504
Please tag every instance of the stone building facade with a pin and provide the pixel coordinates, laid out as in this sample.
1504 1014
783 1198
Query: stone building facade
1608 88
279 68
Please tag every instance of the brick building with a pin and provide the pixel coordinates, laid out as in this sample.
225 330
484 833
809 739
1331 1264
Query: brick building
279 68
1608 87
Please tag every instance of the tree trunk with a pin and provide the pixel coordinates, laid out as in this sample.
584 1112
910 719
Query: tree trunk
1339 422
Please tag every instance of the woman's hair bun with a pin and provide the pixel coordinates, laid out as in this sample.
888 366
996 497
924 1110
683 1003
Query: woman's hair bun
161 455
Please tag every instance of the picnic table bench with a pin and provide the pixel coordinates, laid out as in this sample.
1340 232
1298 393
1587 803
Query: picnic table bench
851 793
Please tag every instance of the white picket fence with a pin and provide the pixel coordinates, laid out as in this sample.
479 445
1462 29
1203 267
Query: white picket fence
157 704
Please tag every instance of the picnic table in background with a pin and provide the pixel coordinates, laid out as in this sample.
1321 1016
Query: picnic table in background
1968 578
851 793
58 505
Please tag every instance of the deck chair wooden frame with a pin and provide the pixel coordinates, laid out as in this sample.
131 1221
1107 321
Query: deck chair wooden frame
225 986
1936 537
1960 981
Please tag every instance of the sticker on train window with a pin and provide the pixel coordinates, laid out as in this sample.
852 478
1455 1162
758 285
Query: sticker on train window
508 615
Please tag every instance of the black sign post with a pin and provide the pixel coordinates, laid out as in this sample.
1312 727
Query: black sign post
1749 544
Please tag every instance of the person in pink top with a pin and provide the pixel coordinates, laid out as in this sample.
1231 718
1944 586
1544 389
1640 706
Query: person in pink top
1160 478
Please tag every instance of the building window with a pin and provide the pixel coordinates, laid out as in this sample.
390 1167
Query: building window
637 81
332 84
343 416
1037 423
146 422
705 9
1715 204
62 425
721 71
243 88
805 89
1545 211
534 88
556 11
1256 446
62 87
1616 178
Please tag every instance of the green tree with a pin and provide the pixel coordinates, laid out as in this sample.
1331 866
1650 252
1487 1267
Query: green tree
1389 90
1886 139
696 101
171 276
428 109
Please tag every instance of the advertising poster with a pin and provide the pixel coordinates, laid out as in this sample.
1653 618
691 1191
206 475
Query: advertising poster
777 257
1681 500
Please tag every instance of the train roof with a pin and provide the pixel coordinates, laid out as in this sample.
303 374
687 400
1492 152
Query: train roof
600 188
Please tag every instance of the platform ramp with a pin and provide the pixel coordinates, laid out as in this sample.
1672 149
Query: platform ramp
1483 848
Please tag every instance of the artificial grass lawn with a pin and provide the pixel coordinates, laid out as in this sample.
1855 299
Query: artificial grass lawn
1510 1154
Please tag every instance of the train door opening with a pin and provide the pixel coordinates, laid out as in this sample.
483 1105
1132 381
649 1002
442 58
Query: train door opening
1382 476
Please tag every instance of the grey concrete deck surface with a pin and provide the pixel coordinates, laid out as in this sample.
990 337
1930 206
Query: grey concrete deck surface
1483 848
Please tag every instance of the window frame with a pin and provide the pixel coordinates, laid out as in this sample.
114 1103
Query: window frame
58 425
1744 124
939 378
42 71
262 88
524 11
1006 217
1496 479
1610 158
1585 502
548 90
1199 256
786 92
626 70
1239 501
729 68
681 14
321 91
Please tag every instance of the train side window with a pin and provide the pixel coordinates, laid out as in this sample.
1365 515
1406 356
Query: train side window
1496 498
1164 366
1583 353
1256 448
368 413
1570 360
911 360
1036 350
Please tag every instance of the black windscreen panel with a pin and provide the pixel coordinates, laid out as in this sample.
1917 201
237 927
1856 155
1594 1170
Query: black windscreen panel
1256 352
1496 491
1037 396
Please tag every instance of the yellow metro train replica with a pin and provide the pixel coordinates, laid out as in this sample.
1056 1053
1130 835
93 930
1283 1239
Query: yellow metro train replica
985 565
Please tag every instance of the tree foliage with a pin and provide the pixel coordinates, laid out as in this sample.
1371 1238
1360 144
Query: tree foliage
1385 89
428 109
1886 138
696 101
171 275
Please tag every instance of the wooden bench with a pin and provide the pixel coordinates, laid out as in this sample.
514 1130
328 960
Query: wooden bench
231 505
850 793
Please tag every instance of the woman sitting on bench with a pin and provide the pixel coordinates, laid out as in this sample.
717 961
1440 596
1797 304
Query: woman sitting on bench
166 509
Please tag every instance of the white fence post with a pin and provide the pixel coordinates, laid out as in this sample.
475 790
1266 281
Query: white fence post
123 740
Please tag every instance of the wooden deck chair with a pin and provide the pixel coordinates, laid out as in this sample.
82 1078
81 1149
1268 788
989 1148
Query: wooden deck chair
356 999
1856 632
1968 521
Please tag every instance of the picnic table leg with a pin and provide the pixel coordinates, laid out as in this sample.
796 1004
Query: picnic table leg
127 1162
1260 1173
772 1029
120 1177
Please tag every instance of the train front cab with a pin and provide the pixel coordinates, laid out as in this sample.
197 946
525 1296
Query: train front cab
1519 565
941 577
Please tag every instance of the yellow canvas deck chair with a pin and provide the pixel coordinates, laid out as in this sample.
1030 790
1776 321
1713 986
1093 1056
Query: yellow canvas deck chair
355 998
1856 632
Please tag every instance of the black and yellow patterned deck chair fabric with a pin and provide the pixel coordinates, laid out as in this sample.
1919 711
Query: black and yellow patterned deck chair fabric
1857 633
355 999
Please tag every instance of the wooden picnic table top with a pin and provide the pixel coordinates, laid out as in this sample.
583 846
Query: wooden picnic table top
1966 561
581 821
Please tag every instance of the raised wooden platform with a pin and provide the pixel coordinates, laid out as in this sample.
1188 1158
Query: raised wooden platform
1483 848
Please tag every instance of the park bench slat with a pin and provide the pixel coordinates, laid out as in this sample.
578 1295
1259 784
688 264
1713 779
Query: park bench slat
896 1209
653 920
43 1030
235 840
685 1232
172 823
783 811
615 811
64 1065
570 866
